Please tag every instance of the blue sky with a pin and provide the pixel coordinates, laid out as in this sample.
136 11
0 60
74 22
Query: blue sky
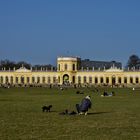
37 31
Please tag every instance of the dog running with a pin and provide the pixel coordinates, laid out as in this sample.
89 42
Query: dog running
46 108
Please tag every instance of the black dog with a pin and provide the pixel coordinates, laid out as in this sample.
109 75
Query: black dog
46 108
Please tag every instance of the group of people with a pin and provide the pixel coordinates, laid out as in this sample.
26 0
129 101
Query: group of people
108 94
86 104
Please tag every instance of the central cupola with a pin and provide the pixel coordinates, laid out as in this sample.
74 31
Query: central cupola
67 64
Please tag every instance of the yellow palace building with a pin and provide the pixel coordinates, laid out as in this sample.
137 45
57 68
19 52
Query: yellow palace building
69 72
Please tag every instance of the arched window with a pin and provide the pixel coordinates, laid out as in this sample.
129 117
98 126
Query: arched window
28 79
22 79
79 79
11 79
96 80
16 80
125 80
73 67
38 80
131 80
107 80
54 79
113 80
90 79
33 80
43 80
137 80
49 80
1 79
6 79
119 80
58 79
85 79
59 67
66 66
101 79
73 79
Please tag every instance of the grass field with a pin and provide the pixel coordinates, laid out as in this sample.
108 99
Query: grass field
110 118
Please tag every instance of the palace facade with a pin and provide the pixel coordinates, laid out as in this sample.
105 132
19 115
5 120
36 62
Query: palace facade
69 72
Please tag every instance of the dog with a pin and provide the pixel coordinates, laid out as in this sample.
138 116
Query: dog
46 108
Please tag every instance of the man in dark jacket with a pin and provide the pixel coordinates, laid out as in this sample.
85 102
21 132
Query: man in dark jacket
84 106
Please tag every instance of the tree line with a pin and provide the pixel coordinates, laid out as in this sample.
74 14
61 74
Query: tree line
133 63
7 64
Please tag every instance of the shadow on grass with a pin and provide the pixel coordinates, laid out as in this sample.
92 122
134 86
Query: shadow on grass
94 113
53 111
91 113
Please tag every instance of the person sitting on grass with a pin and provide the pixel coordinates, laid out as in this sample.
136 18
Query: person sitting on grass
108 94
84 106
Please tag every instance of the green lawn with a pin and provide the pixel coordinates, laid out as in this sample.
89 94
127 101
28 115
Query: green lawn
110 118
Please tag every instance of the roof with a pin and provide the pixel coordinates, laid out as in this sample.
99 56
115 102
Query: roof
114 69
23 69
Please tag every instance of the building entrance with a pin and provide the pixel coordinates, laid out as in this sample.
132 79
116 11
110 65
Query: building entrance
66 79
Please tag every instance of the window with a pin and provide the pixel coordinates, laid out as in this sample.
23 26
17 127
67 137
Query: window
58 79
119 80
1 79
6 79
101 79
49 80
73 67
33 79
38 79
54 79
59 67
96 80
125 80
73 79
137 80
22 80
16 79
107 80
28 79
131 80
90 79
66 66
85 79
79 79
11 80
43 80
